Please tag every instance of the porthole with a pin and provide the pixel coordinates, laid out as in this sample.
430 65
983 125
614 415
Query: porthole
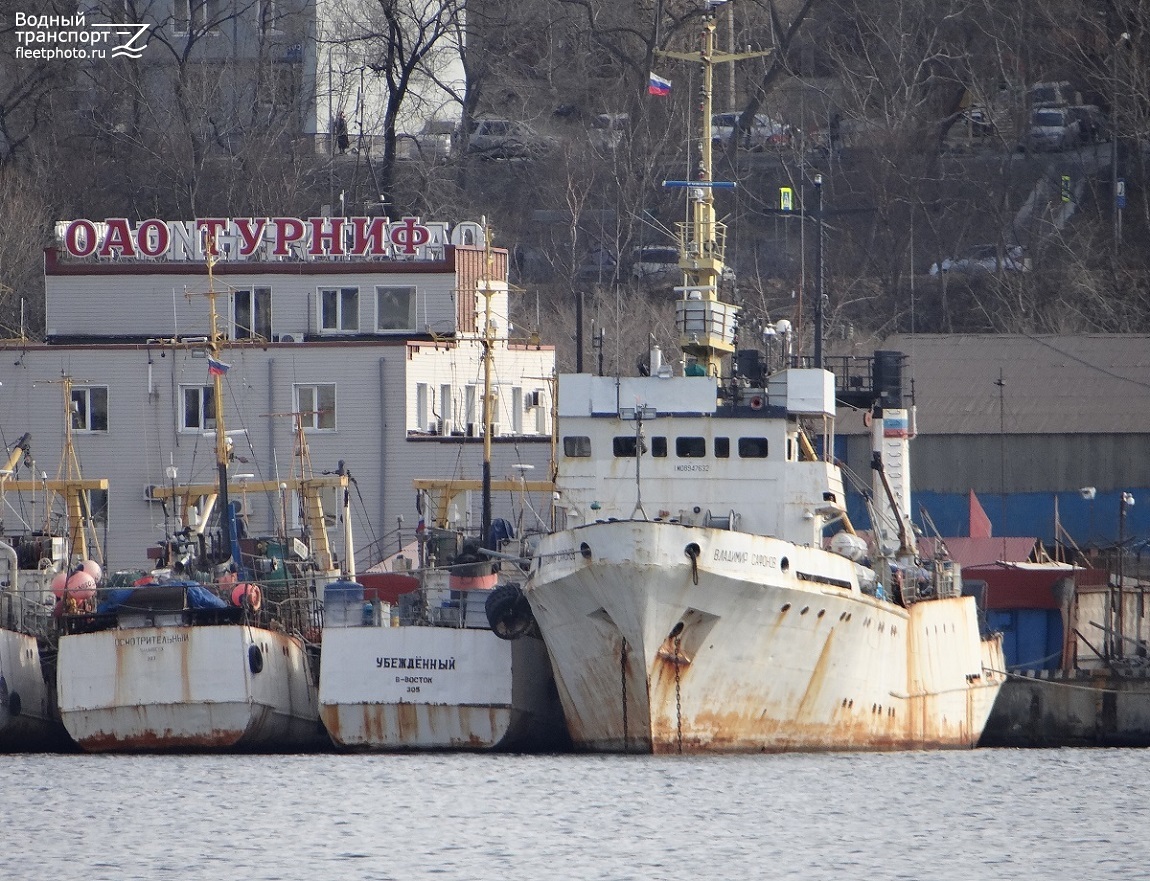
785 564
585 550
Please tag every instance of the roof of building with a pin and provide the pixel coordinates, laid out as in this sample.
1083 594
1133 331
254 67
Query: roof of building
1088 383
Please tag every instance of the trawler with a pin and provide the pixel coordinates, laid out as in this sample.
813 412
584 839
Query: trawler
216 649
440 670
695 601
49 564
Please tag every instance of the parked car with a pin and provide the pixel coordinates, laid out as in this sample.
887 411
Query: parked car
607 131
655 263
1052 129
1053 94
433 143
984 258
763 131
1091 121
507 139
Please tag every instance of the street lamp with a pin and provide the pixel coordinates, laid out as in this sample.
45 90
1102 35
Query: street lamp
1116 208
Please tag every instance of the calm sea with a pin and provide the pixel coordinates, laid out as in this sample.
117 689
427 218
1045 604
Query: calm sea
990 814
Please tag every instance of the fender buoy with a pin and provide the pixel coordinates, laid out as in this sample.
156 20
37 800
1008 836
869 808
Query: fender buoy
255 658
248 596
757 402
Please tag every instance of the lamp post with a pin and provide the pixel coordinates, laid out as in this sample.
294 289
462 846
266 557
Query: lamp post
819 293
1116 207
1126 500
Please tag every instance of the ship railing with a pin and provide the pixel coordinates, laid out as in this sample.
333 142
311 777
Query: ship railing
26 615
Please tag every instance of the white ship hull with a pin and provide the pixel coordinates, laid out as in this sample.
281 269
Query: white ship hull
778 650
27 720
435 688
208 687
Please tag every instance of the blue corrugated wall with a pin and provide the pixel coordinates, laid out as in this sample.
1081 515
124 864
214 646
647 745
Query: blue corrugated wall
1032 514
1031 638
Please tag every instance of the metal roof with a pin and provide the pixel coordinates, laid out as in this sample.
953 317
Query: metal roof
1083 384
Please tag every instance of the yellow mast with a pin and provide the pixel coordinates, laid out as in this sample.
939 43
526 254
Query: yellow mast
83 540
706 324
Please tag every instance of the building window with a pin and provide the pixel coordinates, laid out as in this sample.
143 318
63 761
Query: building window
446 417
421 406
195 16
577 447
252 314
394 308
339 309
722 448
470 410
268 11
98 505
752 448
316 406
690 447
199 408
90 408
516 410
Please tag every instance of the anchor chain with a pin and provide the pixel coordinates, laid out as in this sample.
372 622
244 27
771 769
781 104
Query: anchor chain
678 695
623 683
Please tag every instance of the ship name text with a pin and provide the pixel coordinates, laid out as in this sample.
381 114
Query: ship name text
725 555
149 641
415 664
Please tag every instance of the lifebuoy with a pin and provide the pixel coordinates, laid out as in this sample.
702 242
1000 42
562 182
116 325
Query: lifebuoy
757 402
867 418
248 596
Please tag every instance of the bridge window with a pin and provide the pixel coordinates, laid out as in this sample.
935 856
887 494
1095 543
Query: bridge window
722 448
752 448
690 447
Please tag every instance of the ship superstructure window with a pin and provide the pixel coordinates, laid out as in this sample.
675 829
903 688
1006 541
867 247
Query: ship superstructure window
752 448
659 447
690 447
394 308
625 447
198 408
516 410
722 448
90 408
339 309
577 446
316 405
252 314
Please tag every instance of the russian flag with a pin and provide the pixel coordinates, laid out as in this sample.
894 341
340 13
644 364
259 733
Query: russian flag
217 368
658 86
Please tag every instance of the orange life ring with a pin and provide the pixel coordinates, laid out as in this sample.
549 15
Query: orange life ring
248 596
867 418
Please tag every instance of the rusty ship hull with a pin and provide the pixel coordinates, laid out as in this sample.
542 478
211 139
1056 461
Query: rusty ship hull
413 688
28 721
188 688
666 638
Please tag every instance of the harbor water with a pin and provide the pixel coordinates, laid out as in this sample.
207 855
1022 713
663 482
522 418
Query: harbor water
986 814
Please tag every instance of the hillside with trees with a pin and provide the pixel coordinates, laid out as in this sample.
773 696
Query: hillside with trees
939 213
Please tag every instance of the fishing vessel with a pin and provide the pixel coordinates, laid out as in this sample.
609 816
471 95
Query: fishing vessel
434 672
48 564
695 600
215 649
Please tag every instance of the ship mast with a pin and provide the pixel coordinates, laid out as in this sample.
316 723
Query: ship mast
706 324
488 289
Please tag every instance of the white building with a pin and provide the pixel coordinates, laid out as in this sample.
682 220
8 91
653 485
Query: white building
371 331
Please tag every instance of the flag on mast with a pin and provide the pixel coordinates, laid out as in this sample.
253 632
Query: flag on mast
217 367
657 85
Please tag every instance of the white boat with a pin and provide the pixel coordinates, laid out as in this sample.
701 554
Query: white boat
694 602
55 535
433 673
214 650
430 673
